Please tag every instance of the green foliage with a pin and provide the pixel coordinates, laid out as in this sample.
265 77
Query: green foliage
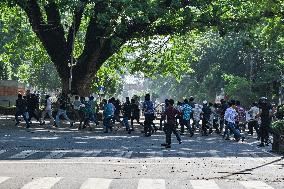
189 46
239 88
278 127
110 79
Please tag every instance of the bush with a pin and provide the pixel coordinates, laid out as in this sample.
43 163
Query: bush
277 127
280 112
8 110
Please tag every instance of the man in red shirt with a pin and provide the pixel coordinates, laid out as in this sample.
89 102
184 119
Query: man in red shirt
171 125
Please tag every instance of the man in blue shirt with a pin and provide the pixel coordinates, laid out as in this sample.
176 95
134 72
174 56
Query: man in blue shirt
186 112
148 108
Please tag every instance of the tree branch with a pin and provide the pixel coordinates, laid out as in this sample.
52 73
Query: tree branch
95 35
77 18
51 34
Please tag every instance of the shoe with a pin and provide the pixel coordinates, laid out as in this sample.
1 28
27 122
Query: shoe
238 139
28 126
210 131
261 145
180 142
105 131
168 146
181 133
243 138
71 124
227 138
164 144
129 132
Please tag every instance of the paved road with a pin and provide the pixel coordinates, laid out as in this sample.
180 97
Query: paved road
44 157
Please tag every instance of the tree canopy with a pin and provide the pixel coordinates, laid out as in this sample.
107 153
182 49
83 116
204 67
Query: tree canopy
177 38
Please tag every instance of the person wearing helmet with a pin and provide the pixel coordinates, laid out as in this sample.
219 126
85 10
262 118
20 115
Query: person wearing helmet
265 113
206 112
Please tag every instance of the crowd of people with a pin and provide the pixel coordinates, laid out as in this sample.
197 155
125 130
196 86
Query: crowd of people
227 118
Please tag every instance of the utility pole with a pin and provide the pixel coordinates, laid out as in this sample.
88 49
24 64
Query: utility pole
72 60
280 88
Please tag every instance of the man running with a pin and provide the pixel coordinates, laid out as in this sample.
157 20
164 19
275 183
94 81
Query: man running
21 109
171 125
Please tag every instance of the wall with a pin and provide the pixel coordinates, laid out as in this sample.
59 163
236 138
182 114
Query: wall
9 90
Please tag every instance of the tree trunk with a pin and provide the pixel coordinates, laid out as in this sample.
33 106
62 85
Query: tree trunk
81 82
81 85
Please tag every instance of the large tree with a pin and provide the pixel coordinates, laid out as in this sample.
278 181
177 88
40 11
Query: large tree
109 24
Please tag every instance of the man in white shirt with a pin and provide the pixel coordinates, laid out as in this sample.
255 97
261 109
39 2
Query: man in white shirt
197 110
76 107
47 110
230 116
253 122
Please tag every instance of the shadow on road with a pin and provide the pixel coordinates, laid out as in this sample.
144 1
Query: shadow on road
39 142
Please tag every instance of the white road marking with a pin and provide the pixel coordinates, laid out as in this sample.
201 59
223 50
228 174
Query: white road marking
42 183
128 154
3 179
97 183
151 184
201 184
213 153
24 154
255 185
55 155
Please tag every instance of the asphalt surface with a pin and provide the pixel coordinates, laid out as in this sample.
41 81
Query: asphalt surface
48 157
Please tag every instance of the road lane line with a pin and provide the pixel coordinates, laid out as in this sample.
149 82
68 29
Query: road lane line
97 183
24 154
3 179
55 155
255 185
42 183
151 184
201 184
